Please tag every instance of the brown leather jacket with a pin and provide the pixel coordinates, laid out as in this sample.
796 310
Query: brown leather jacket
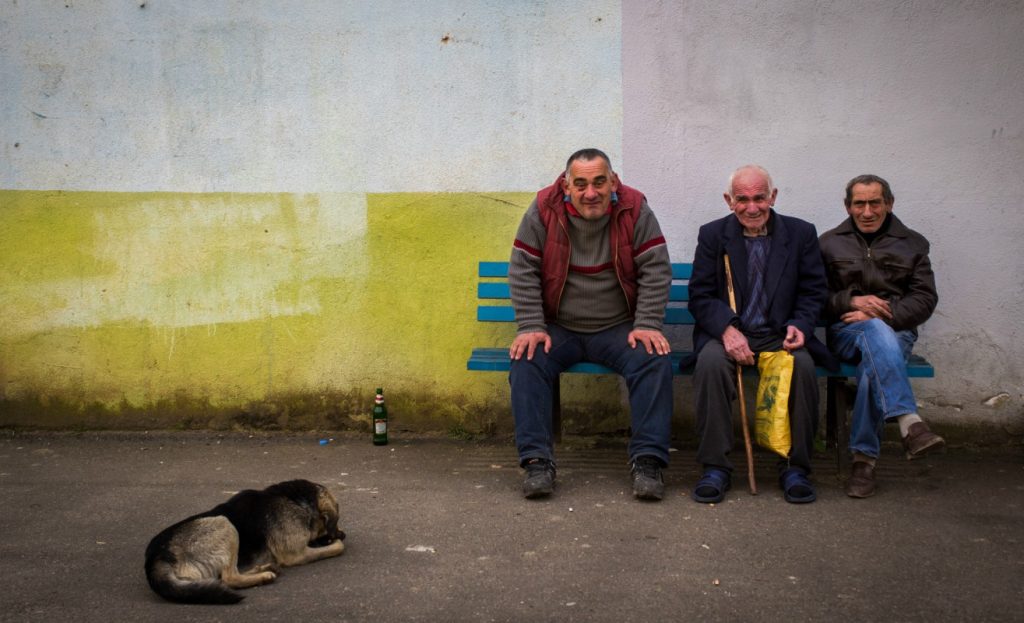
895 267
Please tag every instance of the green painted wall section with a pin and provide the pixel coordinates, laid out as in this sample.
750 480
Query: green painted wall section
273 310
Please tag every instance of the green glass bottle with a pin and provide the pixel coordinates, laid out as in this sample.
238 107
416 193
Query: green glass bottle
380 420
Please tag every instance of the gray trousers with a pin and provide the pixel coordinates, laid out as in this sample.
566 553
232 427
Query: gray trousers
714 382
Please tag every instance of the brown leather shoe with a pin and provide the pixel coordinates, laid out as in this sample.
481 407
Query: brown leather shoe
920 441
862 480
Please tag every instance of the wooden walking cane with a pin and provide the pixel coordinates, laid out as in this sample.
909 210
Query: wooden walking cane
739 388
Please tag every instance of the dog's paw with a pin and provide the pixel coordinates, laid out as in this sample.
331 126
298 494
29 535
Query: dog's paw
267 566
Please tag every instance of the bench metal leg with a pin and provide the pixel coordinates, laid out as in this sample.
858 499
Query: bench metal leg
837 415
556 409
831 386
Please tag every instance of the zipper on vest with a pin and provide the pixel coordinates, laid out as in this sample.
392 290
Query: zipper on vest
613 234
565 276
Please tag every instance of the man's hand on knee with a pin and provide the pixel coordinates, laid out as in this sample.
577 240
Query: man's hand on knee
526 343
794 339
653 341
737 347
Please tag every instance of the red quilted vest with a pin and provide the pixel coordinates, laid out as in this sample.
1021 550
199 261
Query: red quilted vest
555 261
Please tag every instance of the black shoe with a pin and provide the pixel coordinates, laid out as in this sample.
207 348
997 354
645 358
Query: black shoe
540 478
647 481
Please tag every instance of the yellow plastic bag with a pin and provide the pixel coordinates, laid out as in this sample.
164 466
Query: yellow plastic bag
771 424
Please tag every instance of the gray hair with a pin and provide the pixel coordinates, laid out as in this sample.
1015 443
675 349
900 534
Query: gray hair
588 154
754 167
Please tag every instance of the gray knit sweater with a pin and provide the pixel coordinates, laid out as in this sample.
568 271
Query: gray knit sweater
592 299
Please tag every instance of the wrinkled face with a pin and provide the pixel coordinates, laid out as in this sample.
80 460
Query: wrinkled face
751 199
867 207
590 187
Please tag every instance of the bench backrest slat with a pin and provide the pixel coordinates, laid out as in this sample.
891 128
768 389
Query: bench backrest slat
498 290
680 270
678 293
494 269
495 313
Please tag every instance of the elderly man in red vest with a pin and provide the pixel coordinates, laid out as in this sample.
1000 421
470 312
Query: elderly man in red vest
589 278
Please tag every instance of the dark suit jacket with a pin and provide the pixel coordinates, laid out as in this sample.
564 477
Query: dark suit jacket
794 281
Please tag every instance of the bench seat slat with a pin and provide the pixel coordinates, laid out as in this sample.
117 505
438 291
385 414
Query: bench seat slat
497 360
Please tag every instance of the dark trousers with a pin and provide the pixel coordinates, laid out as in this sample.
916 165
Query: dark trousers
714 382
648 377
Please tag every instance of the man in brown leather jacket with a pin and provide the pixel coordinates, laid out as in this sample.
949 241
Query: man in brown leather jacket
881 289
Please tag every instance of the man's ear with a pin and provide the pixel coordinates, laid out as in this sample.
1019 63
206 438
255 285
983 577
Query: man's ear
728 200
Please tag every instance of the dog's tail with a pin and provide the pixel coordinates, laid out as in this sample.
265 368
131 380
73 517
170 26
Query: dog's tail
165 583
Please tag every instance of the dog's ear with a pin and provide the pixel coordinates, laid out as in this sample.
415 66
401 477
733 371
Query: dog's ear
325 502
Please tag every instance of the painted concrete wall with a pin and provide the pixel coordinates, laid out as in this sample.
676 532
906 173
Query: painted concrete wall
251 214
929 95
323 96
254 213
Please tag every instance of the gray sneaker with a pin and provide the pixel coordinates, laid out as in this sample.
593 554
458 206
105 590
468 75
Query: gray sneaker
540 478
647 481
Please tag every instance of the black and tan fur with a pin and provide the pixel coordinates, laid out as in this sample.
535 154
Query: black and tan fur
198 560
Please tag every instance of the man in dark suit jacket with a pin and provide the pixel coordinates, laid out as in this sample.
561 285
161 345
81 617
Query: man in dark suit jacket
780 289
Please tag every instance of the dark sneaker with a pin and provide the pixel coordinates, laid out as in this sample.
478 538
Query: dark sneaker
540 478
920 440
647 481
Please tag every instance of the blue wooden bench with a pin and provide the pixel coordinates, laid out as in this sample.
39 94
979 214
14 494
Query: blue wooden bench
495 305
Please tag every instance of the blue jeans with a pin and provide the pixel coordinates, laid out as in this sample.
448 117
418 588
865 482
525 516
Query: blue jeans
648 377
883 389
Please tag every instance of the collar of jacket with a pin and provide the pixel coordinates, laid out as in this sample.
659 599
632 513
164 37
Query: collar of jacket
735 230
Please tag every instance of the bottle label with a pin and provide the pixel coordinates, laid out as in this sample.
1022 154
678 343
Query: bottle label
380 426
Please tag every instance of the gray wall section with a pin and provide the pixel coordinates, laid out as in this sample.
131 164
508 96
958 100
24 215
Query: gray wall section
929 95
314 96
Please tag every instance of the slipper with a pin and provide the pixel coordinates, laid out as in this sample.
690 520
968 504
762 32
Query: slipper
712 486
796 488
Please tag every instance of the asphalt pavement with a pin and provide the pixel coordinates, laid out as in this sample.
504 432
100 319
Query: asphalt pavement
438 531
